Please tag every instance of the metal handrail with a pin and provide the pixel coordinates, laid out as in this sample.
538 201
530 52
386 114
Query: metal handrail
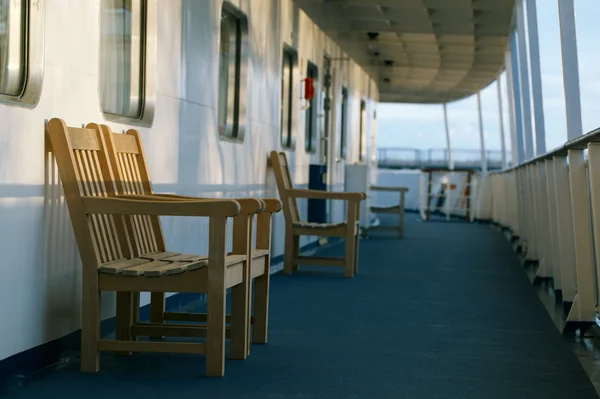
417 158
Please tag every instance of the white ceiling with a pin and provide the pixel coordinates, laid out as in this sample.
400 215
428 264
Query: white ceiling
439 50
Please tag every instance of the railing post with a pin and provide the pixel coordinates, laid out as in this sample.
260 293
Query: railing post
546 269
582 312
531 215
564 227
515 206
554 249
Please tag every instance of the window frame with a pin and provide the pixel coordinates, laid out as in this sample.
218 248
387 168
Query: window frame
344 97
362 138
34 30
288 141
312 114
148 60
235 120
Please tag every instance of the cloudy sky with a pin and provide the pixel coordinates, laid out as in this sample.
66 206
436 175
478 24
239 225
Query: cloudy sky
422 126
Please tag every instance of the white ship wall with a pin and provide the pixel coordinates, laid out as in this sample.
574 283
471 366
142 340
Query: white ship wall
40 284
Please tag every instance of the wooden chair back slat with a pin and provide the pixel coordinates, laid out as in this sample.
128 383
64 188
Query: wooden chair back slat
127 157
284 183
85 171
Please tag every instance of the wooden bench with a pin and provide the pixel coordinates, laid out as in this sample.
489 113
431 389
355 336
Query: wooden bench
294 227
126 154
394 209
114 237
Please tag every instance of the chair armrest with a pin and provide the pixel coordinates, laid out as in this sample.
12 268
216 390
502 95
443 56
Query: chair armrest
384 188
123 206
248 205
272 205
318 194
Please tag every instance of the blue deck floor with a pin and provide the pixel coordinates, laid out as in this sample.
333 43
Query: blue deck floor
447 312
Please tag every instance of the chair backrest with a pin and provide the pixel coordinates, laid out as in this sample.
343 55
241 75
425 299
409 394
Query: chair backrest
85 170
126 155
284 183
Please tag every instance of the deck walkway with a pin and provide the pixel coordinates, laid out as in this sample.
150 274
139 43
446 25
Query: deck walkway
447 312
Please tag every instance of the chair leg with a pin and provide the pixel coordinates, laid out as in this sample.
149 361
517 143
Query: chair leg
261 308
216 310
124 319
356 255
239 346
90 328
349 266
157 310
215 334
288 255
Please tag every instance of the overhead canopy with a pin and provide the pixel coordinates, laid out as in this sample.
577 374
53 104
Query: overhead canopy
420 51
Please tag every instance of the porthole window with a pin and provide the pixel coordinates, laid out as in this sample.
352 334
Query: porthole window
21 51
128 60
231 107
288 131
344 123
362 142
311 115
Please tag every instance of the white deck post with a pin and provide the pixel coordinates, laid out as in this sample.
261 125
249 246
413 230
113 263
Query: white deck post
448 141
501 117
568 41
484 167
524 79
516 97
536 78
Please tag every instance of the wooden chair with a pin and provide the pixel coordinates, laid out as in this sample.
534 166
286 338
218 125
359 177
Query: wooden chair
294 228
126 154
108 230
397 209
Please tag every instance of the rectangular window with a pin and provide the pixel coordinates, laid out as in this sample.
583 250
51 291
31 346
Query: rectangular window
13 47
232 79
362 142
288 138
122 57
312 72
343 123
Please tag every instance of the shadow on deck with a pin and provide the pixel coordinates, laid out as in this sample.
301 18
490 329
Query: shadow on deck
446 312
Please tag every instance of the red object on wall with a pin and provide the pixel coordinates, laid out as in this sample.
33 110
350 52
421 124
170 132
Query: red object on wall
309 89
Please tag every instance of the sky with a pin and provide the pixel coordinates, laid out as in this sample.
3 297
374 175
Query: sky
422 126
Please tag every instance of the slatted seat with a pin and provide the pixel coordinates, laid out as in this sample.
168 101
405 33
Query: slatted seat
122 250
126 154
294 227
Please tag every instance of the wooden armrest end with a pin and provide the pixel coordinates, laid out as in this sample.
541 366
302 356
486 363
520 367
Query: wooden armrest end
272 205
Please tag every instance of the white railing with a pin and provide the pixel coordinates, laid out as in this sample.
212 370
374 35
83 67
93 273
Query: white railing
551 205
413 158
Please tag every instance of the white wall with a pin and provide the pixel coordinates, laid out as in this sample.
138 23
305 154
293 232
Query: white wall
40 279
